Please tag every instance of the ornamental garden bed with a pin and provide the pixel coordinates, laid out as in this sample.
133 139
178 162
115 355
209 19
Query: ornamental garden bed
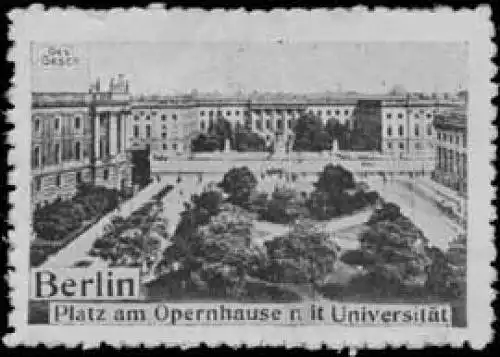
134 240
59 223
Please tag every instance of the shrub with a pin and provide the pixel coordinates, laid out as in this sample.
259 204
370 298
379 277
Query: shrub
239 183
285 206
60 219
215 258
302 256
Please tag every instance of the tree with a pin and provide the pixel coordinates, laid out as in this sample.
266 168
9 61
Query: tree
221 129
132 241
334 178
388 212
302 256
336 193
239 183
248 141
339 132
205 143
217 258
199 211
60 219
392 251
310 134
359 140
215 138
285 206
257 203
335 129
439 272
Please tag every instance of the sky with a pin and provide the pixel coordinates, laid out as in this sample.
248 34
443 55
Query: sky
169 68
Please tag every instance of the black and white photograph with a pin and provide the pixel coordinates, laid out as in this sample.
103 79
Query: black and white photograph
240 179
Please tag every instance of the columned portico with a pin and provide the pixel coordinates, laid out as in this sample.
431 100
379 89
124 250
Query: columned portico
113 146
124 117
97 135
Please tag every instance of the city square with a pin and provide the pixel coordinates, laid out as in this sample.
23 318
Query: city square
253 196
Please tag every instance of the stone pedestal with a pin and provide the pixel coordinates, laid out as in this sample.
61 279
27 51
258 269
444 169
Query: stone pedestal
335 146
280 146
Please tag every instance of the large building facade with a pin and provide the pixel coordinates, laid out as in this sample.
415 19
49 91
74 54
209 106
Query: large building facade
164 126
85 137
451 151
268 117
78 138
401 126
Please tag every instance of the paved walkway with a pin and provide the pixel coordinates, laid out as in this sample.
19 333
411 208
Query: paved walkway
173 206
78 249
332 226
444 194
422 211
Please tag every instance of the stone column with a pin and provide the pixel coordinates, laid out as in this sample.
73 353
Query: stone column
464 166
438 157
119 141
112 134
445 160
452 161
97 136
124 118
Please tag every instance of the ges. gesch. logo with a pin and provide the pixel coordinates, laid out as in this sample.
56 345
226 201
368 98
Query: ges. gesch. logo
58 56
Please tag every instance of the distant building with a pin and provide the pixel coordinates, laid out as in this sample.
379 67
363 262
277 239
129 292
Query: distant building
270 116
451 150
166 126
399 125
78 138
169 124
84 137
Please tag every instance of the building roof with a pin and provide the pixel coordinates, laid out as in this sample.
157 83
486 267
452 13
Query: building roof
59 99
255 101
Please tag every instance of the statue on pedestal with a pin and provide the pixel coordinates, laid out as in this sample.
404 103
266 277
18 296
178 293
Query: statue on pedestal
227 146
335 146
280 147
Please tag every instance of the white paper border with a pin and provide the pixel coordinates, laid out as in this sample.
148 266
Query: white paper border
340 25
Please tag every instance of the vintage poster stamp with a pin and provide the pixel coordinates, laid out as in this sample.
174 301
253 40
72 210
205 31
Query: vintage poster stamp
292 177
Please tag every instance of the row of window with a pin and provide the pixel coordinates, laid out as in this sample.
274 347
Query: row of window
58 180
78 153
163 117
258 124
416 130
415 115
449 138
450 161
165 146
270 112
401 145
219 113
77 150
328 112
77 123
136 132
246 112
